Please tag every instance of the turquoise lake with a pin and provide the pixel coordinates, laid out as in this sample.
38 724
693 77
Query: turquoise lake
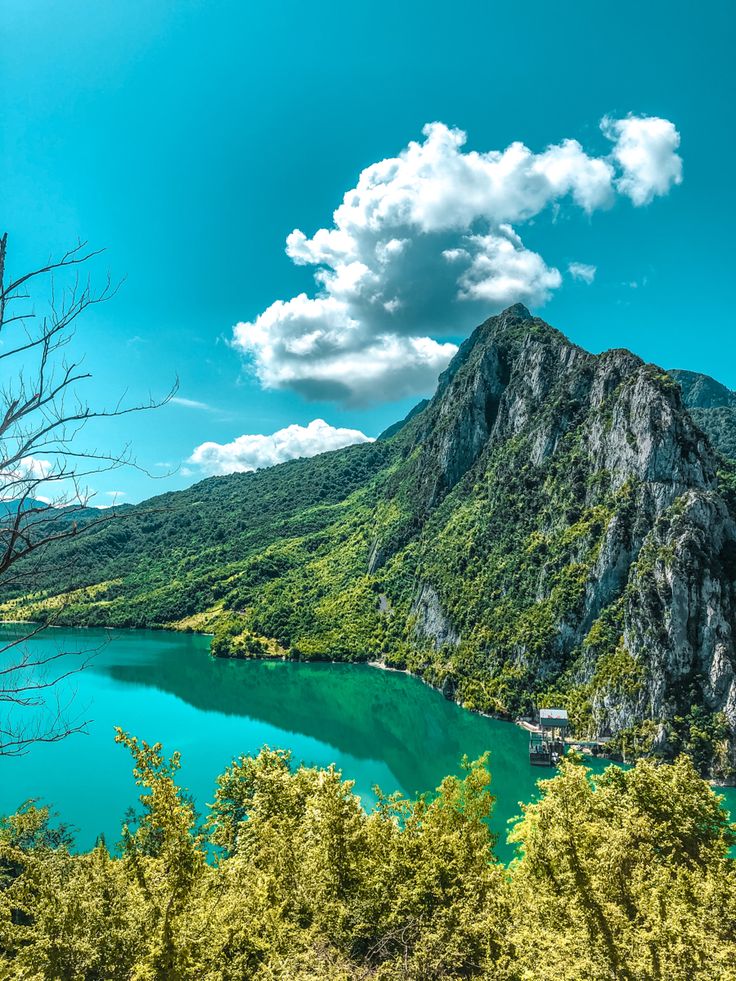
379 727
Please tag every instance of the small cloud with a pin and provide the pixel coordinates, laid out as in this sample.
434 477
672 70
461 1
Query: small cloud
25 476
645 151
253 452
582 271
114 495
191 404
34 468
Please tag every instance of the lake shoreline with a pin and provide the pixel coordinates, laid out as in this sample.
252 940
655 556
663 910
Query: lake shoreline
161 686
375 664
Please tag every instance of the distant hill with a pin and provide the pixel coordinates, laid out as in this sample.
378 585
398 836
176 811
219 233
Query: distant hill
702 391
713 406
550 528
394 429
11 507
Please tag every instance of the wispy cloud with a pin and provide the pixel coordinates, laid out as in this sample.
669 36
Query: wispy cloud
582 271
192 404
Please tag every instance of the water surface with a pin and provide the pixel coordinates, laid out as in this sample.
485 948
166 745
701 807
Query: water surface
379 727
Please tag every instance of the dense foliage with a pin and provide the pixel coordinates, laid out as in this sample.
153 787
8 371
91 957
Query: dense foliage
290 878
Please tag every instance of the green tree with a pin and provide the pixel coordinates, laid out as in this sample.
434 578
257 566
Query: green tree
628 877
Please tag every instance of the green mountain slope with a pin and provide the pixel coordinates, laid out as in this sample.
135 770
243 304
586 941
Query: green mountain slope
701 391
712 406
549 528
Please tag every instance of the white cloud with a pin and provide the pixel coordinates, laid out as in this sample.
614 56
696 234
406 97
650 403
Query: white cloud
34 468
316 347
24 477
190 403
500 268
582 271
37 479
426 245
252 452
645 150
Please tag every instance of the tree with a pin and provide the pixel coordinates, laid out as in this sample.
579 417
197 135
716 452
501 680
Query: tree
625 877
45 467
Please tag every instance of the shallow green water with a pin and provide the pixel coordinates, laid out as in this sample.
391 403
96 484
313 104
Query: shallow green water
378 727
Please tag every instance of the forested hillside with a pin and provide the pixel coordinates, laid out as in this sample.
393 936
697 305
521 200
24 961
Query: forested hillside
712 406
551 527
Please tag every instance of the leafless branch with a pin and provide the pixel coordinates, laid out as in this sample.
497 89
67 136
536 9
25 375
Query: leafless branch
44 469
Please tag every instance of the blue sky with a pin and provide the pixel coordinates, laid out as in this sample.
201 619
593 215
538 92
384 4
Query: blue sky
191 138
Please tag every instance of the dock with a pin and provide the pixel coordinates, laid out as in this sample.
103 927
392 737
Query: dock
547 738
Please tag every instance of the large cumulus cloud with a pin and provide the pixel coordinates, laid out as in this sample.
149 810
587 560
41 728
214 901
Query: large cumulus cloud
427 242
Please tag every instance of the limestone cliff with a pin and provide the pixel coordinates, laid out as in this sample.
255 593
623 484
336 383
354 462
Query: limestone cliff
631 589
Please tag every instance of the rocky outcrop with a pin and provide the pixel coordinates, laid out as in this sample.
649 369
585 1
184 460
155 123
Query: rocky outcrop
681 609
431 623
665 561
517 374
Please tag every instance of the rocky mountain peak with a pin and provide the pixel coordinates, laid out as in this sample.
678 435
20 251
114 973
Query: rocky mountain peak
518 311
518 375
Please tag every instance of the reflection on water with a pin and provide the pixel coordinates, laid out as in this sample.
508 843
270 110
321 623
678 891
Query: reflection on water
379 727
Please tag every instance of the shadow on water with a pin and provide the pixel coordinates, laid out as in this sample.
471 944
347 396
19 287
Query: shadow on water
378 727
357 709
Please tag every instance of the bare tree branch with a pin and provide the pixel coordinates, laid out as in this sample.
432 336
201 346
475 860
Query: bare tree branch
44 467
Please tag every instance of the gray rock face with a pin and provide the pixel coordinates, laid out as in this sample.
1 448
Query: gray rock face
503 387
681 613
669 557
431 622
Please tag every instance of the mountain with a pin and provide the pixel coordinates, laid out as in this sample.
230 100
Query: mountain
551 528
712 406
702 391
10 507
